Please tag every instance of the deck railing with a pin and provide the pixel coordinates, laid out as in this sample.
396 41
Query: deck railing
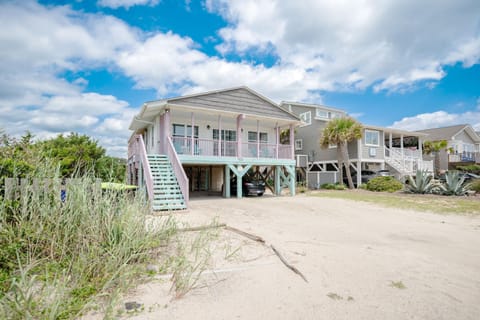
408 161
178 170
464 157
216 148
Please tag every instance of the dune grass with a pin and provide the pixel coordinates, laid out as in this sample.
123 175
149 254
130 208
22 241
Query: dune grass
426 203
60 258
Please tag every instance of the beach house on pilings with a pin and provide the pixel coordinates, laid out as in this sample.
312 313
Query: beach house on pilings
201 143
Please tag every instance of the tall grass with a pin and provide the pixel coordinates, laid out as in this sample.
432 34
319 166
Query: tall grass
58 258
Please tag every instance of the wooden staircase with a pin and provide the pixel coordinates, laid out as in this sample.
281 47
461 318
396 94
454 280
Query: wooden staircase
166 191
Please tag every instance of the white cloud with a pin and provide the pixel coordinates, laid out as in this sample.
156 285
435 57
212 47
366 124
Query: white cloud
439 119
393 44
115 4
320 45
37 45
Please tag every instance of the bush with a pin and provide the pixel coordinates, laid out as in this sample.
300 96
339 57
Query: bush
474 185
333 186
473 168
388 184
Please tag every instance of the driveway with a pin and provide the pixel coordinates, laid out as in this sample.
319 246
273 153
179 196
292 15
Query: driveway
361 262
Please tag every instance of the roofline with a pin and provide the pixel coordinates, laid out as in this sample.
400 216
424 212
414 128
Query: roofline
311 105
470 128
170 100
393 130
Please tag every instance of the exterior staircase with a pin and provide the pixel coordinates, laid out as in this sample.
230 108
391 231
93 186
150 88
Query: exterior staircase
167 194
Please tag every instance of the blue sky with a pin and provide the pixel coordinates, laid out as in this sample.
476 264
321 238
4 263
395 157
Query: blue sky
87 66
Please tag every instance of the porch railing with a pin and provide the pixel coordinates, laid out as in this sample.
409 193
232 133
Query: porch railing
178 170
208 147
464 157
408 161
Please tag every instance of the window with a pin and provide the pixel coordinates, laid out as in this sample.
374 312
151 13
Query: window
298 144
227 135
321 114
372 138
306 118
252 136
179 131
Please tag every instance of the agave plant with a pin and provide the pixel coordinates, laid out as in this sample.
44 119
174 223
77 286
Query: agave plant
421 184
454 184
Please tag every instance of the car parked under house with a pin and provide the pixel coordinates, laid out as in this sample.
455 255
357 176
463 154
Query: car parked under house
193 144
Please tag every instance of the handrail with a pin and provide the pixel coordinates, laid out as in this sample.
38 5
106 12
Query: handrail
178 169
146 166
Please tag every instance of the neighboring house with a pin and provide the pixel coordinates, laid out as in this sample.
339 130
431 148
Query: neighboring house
463 144
198 143
380 148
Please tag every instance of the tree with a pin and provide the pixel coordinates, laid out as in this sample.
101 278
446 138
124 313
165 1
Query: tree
74 154
339 132
434 147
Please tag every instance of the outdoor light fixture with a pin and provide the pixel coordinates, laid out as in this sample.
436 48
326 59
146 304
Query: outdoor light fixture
208 127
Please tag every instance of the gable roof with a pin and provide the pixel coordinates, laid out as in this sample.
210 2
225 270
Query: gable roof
241 100
449 133
238 100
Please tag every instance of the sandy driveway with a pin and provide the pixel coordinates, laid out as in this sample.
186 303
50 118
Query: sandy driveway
361 261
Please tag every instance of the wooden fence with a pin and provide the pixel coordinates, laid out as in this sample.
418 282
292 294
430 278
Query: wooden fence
14 187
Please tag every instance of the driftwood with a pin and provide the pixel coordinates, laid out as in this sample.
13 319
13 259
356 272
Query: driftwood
246 234
200 228
251 237
289 266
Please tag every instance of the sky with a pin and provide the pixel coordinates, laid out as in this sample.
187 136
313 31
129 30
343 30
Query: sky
88 66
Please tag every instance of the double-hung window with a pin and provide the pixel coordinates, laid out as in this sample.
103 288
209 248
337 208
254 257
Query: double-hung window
372 138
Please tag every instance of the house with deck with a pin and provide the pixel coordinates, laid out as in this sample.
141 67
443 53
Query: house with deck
463 145
200 143
379 148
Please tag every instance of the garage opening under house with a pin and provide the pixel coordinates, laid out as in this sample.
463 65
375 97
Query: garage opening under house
199 143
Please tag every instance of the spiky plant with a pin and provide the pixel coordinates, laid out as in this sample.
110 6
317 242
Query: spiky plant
421 184
454 184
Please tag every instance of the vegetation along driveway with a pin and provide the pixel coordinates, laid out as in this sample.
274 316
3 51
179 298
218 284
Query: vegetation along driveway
361 260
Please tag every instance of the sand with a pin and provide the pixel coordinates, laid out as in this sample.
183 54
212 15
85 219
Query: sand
362 262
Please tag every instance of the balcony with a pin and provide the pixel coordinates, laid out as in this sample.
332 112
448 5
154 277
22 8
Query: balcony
215 148
465 157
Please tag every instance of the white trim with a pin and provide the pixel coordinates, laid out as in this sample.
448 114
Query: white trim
378 139
298 144
303 117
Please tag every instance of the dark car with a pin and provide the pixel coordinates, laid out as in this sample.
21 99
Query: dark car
250 186
367 175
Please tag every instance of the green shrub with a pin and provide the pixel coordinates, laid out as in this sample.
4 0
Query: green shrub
474 186
388 184
473 168
421 184
333 186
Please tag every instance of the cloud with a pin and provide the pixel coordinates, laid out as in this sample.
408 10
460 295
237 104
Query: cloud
115 4
439 119
317 46
389 44
38 45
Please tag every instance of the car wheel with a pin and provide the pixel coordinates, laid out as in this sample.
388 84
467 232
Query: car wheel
260 194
